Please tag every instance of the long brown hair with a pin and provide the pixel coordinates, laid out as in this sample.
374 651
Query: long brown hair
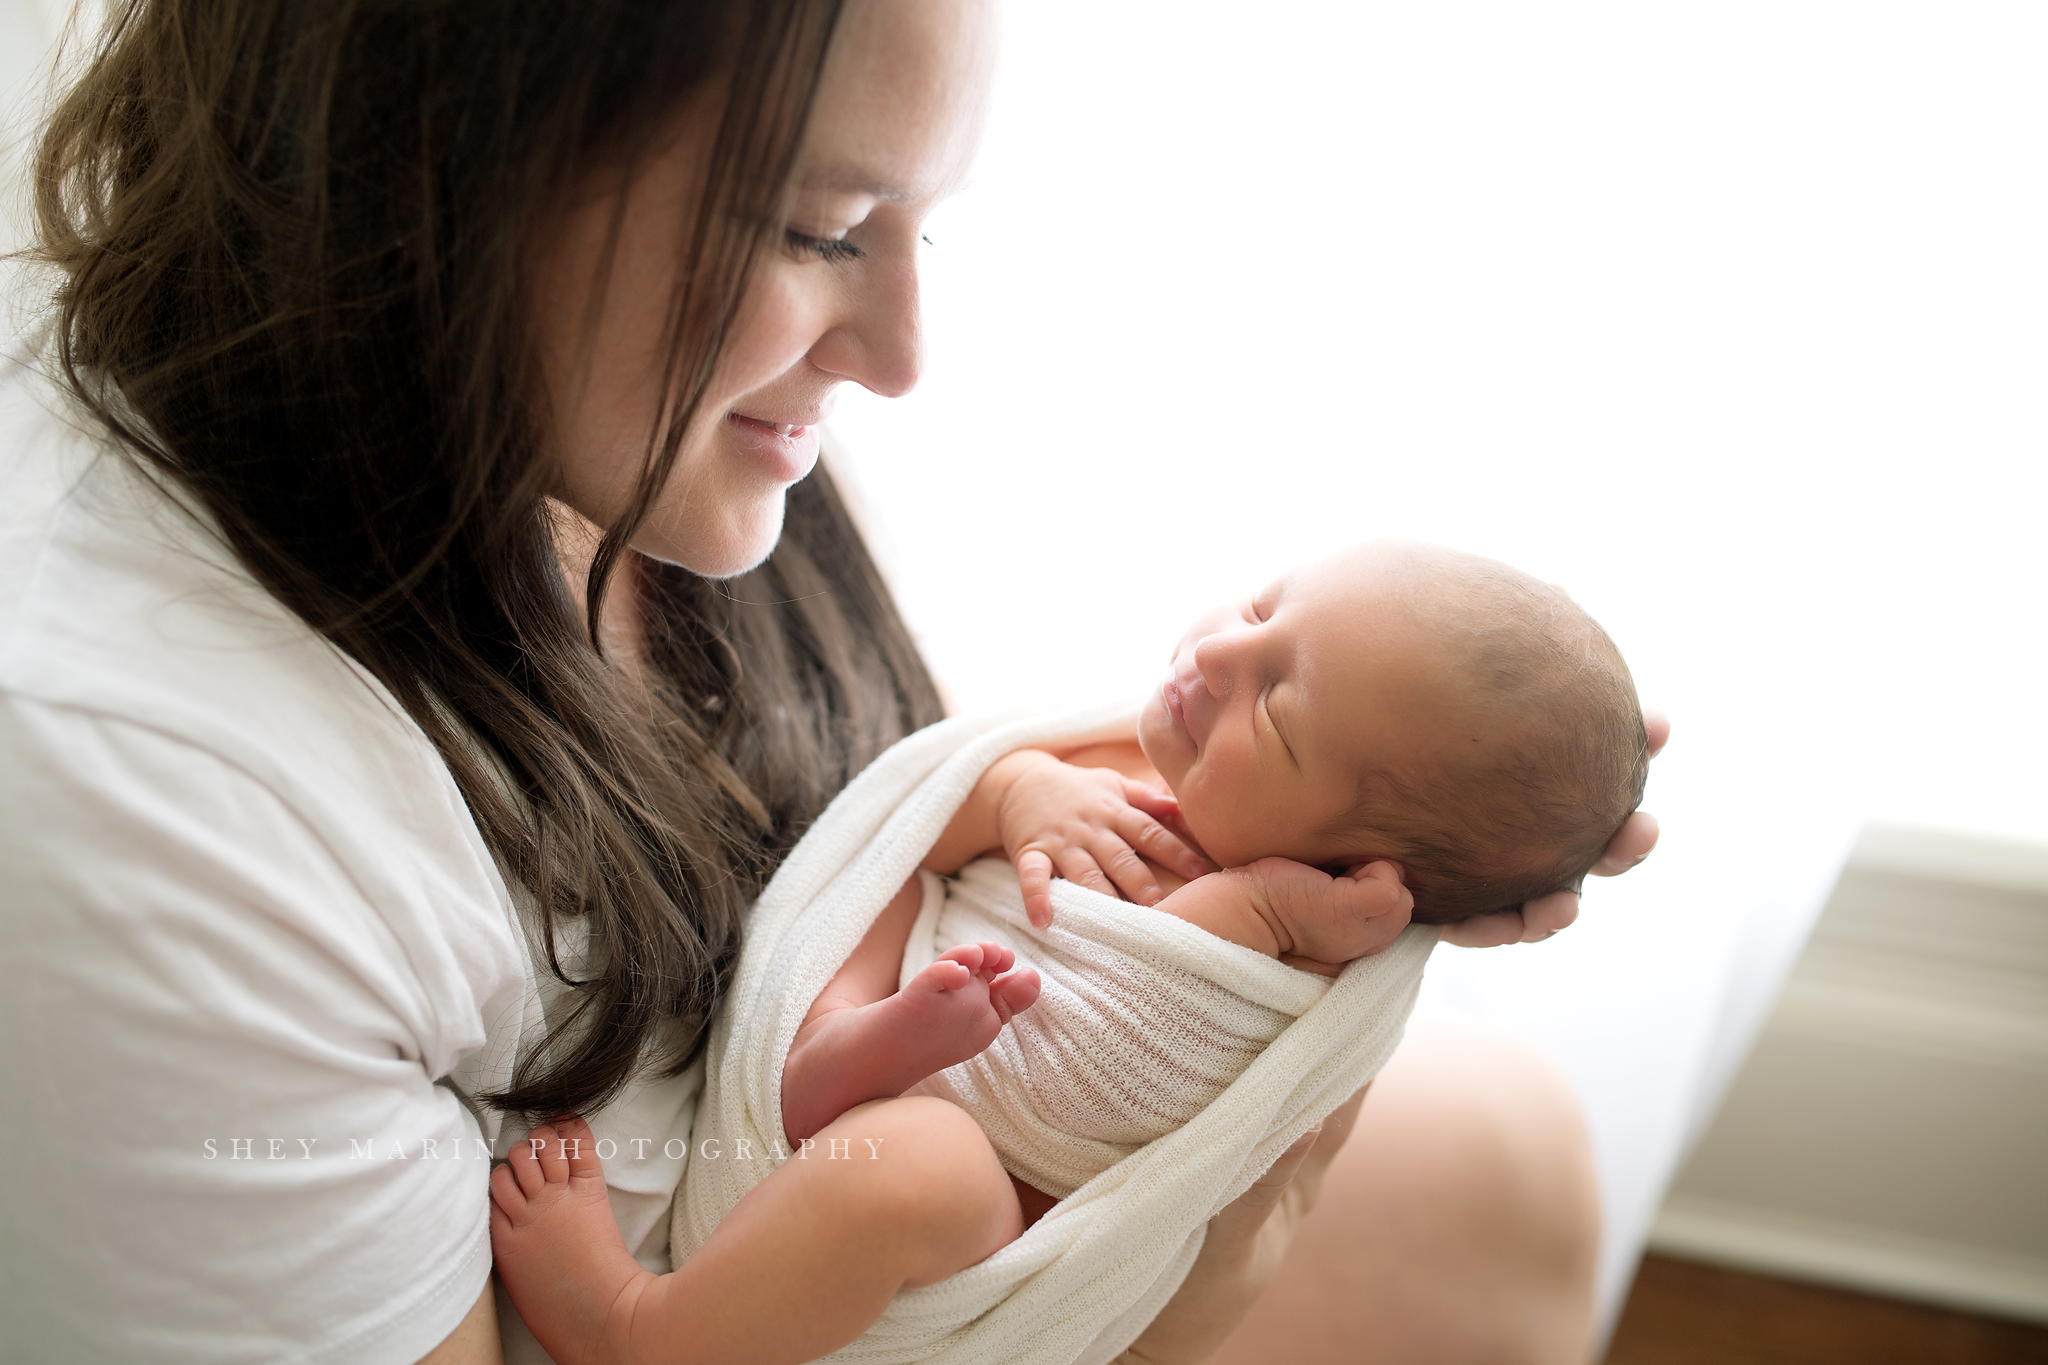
291 236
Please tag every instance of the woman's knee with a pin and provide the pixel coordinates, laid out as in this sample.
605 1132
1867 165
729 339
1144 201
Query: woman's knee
1459 1222
1491 1129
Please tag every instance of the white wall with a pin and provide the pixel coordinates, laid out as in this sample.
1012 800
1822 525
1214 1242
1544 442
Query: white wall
1731 317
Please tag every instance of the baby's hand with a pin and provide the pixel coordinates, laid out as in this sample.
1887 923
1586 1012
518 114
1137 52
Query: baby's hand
1089 825
1321 922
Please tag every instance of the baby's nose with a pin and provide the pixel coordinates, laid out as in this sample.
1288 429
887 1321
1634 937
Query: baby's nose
1216 657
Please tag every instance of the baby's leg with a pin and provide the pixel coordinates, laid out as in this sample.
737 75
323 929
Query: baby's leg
866 1040
799 1268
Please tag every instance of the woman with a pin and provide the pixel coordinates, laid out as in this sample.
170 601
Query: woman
385 756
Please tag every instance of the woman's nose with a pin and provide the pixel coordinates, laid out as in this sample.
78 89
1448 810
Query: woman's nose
879 343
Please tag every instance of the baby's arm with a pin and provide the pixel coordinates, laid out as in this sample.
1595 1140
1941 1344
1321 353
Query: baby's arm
865 1040
1304 917
1093 826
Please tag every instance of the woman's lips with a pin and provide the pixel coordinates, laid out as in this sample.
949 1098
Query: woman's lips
785 450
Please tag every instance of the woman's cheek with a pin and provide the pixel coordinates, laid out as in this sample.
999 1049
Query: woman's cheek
777 329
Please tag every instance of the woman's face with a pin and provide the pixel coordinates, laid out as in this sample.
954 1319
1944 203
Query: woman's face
898 112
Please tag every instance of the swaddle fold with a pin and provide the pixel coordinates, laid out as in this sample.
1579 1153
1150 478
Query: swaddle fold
1143 1022
1160 1074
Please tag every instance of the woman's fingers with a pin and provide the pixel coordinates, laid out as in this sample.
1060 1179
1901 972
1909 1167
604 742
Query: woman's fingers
1533 923
1547 915
1486 931
1242 1218
1630 845
1657 729
1281 1173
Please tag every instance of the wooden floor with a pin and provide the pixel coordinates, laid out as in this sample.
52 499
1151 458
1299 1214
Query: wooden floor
1683 1313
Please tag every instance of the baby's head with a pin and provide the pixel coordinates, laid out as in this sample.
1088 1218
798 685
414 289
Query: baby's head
1406 702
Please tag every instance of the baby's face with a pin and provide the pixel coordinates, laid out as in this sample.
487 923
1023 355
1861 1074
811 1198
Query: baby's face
1275 706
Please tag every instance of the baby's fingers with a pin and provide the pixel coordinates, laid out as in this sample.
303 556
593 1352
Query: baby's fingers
1155 841
1382 883
1078 866
1034 879
1134 880
1157 804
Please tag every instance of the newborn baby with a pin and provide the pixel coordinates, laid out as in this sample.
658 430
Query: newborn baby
1397 731
1424 723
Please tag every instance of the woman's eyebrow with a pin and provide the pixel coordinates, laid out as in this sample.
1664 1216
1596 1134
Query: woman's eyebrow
846 179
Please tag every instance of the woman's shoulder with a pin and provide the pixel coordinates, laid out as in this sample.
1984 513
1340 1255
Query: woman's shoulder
127 628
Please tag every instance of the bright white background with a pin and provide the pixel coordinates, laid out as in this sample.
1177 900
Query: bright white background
1731 317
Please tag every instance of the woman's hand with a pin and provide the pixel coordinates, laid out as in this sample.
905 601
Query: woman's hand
1544 916
1243 1251
1093 826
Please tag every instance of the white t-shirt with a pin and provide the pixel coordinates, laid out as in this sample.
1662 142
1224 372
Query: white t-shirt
254 948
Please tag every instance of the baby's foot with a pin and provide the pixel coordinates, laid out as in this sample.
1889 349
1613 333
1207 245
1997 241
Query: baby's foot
557 1246
949 1012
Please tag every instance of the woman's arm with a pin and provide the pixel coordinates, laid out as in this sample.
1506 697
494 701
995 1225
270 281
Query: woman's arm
230 1055
1244 1249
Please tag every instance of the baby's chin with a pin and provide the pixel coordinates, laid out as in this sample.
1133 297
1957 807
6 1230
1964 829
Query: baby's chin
1156 730
1234 837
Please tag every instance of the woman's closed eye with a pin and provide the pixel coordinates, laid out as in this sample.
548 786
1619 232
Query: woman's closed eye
836 249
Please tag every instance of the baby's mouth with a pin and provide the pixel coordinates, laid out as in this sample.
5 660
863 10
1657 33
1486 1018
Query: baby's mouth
1170 691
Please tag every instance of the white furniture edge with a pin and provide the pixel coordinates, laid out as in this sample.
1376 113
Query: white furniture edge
1850 1256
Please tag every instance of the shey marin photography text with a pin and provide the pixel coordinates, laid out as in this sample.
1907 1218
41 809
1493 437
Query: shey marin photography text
479 1148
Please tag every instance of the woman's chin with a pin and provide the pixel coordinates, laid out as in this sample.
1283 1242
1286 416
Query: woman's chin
716 551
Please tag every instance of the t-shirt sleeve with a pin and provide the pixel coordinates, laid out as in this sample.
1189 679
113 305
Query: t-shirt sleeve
221 1062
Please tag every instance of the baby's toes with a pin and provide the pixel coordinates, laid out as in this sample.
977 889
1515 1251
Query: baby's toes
544 1146
526 1169
995 960
578 1146
941 977
507 1197
968 955
1015 993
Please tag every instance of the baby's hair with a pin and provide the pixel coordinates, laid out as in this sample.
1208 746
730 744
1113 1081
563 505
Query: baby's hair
1564 764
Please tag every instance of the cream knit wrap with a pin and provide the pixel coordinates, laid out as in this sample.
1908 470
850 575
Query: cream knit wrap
1161 1072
